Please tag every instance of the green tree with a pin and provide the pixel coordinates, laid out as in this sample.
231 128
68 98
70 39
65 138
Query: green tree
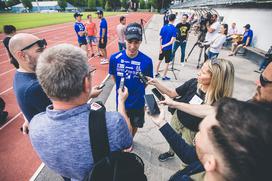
107 6
149 4
62 4
27 4
100 3
10 3
142 4
91 4
124 4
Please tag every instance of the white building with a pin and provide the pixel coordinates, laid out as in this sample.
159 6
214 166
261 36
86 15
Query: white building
42 6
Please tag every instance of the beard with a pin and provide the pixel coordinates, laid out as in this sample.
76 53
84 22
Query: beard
258 95
32 62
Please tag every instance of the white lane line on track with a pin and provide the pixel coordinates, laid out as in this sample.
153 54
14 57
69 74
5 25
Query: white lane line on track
4 62
6 90
7 72
35 175
10 121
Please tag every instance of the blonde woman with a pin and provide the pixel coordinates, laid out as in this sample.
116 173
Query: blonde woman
214 81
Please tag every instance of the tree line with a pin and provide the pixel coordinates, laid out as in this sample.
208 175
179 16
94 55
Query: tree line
108 5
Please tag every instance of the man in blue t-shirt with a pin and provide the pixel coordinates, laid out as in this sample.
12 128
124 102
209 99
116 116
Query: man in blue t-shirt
80 32
127 64
32 100
103 37
247 39
168 36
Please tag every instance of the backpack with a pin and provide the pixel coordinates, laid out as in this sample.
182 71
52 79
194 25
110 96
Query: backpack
110 166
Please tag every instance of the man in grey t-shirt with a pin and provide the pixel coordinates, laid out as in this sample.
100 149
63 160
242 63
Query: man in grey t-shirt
60 135
120 30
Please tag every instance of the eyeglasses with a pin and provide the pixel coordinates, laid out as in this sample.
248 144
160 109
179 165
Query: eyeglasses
264 81
41 43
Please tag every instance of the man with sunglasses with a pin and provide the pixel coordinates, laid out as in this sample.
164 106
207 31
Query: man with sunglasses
264 86
126 65
32 100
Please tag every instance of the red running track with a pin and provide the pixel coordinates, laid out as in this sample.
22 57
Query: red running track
18 161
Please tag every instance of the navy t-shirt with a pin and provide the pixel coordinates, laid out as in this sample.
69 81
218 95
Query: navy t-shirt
247 34
29 94
167 32
123 66
80 27
103 25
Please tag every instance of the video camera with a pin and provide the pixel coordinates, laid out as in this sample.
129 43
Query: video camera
203 22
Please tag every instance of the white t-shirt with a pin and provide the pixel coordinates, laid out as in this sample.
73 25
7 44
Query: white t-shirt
217 42
233 31
210 36
120 29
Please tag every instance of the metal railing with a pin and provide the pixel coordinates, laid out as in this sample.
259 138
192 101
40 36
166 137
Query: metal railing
198 3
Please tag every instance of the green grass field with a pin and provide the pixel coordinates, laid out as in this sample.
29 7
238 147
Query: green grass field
32 20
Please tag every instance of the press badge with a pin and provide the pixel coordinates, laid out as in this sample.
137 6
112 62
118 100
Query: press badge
196 100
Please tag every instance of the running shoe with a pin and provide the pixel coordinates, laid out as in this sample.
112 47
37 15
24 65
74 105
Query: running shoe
166 78
166 156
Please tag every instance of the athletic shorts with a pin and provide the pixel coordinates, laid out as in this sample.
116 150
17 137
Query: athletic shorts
166 54
136 117
82 42
91 39
102 45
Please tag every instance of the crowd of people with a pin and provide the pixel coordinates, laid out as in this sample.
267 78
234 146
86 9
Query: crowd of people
215 136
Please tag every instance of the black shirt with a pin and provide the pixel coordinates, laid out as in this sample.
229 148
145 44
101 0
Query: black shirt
12 59
6 43
182 31
187 91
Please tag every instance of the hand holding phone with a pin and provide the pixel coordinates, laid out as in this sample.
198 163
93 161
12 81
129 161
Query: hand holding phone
122 84
157 93
152 104
142 77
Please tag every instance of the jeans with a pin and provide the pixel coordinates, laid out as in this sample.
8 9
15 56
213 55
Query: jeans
122 46
264 64
212 55
182 46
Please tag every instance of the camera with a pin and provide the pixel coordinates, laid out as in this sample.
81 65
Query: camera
203 22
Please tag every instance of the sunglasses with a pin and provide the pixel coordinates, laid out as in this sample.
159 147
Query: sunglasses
41 43
264 81
215 61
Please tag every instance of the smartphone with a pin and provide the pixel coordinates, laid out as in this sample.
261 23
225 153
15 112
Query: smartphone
122 83
142 77
157 93
104 81
152 104
101 86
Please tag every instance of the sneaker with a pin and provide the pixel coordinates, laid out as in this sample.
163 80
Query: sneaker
166 156
182 64
104 61
157 75
166 78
